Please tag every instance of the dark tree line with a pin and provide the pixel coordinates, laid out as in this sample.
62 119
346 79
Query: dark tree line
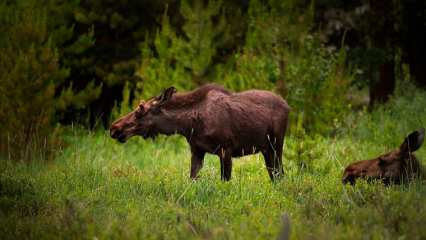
376 31
381 36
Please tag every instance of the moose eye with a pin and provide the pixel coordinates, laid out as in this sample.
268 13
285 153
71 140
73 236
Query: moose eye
139 111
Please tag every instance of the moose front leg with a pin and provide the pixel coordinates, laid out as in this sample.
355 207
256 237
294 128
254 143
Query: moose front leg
197 160
225 164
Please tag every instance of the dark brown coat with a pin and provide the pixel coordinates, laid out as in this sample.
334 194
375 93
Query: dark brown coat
214 120
397 166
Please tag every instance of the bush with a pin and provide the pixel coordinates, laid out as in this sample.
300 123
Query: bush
318 83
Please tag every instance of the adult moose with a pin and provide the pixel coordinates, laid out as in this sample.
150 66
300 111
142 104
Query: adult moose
214 120
397 166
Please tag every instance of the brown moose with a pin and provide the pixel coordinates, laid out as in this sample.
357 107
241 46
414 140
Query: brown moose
214 120
397 166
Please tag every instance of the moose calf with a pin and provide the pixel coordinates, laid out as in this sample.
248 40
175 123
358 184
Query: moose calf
397 166
214 120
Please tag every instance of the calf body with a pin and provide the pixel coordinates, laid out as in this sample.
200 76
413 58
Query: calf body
396 166
216 121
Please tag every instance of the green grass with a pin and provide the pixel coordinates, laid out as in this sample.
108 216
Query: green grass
98 188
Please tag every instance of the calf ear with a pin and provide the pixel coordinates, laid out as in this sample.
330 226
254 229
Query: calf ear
413 141
167 94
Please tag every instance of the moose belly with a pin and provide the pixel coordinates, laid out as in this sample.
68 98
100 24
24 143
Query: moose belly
246 150
216 145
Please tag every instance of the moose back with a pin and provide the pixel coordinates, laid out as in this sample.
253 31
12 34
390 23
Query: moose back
214 120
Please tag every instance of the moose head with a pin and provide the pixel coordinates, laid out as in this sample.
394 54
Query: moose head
394 167
146 120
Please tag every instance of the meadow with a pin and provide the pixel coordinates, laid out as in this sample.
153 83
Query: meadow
96 188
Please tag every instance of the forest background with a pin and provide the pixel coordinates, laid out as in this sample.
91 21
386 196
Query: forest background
79 61
352 71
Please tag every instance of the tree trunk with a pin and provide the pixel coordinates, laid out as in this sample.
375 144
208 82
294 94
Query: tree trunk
384 38
281 86
418 73
414 39
384 87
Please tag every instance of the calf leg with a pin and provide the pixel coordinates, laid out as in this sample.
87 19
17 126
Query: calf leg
197 160
225 164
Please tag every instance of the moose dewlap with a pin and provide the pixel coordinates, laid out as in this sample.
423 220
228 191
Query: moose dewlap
214 120
397 166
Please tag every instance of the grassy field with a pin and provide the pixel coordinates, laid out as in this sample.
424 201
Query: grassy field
97 188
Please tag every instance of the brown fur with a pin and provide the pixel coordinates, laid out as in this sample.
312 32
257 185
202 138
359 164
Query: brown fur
397 166
214 120
189 99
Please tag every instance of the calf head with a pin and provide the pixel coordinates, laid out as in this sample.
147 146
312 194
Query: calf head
144 120
394 166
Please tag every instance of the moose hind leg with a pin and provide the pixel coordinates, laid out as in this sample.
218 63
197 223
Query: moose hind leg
273 158
278 158
273 166
269 164
225 164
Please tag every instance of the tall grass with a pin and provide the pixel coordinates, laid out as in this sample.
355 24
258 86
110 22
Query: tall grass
389 123
98 188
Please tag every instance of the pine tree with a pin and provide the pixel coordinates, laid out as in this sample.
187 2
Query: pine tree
31 78
202 36
183 60
118 28
159 68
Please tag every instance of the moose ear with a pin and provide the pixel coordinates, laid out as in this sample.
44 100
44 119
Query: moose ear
167 94
413 141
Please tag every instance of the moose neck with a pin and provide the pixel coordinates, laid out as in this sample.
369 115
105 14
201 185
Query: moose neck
180 120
